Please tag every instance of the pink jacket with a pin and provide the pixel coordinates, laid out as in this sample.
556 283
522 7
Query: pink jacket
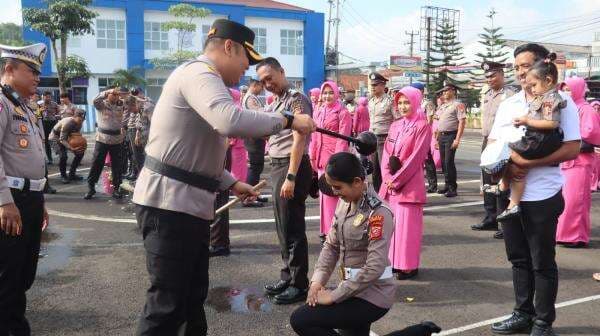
408 139
334 118
361 121
315 95
588 121
236 95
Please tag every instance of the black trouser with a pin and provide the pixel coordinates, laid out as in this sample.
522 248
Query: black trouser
430 170
136 153
116 157
48 126
62 163
353 317
18 263
176 247
219 230
290 222
256 156
490 201
445 141
377 156
530 247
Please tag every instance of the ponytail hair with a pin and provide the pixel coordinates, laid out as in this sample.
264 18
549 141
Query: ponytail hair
546 68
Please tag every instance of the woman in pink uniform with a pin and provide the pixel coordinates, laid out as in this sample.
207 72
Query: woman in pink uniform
404 153
331 115
239 155
596 165
574 224
315 96
361 121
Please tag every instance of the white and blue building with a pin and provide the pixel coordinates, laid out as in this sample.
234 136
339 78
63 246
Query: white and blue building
129 33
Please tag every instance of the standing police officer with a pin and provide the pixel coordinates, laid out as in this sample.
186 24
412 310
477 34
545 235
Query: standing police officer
380 111
496 93
175 191
22 168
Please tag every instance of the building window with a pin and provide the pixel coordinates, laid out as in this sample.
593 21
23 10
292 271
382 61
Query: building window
79 95
104 83
292 42
110 34
260 40
156 36
154 87
296 83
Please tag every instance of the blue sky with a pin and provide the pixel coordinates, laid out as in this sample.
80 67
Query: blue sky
372 30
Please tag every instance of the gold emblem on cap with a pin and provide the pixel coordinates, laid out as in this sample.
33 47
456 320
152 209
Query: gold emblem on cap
212 31
358 220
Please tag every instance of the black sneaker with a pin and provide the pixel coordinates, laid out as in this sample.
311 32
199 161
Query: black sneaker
542 328
451 193
517 323
442 191
219 251
75 177
485 226
291 295
91 192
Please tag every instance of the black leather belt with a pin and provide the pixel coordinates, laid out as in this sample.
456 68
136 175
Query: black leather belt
183 176
109 132
448 132
280 161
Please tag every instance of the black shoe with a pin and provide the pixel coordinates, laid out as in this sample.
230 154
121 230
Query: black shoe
407 275
432 327
574 245
508 214
485 226
219 251
65 180
542 328
432 189
277 288
253 205
442 191
117 193
451 193
291 295
49 190
262 199
517 323
499 235
90 194
75 177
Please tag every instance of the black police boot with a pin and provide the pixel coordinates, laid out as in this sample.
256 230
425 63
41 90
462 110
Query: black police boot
91 192
276 288
485 226
542 328
291 295
517 323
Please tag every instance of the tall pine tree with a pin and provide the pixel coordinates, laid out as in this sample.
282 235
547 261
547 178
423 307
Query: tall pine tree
495 50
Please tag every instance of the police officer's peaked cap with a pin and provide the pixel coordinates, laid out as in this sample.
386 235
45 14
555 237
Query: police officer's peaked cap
418 85
32 55
377 78
489 67
237 32
447 86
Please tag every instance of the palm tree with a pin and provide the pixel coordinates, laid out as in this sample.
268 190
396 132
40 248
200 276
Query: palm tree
129 78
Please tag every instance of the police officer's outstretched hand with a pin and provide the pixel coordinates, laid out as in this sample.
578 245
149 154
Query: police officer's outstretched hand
10 220
313 297
244 191
303 124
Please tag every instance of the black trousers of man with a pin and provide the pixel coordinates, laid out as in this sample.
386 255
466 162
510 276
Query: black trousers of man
256 156
447 154
62 162
490 200
48 126
176 247
290 222
116 157
530 247
377 156
219 230
430 171
18 263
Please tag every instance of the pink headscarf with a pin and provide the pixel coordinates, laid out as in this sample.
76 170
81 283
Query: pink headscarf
236 96
315 92
578 88
336 96
363 101
414 96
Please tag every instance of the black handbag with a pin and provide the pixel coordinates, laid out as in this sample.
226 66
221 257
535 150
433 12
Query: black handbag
394 164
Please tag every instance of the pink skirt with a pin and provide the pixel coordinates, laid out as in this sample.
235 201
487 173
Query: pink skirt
405 246
574 224
239 163
327 206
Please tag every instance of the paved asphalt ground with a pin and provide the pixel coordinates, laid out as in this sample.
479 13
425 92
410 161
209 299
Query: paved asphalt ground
93 278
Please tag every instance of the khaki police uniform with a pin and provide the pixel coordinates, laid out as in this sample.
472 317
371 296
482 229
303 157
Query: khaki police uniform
50 116
449 113
61 133
358 244
381 117
254 146
175 190
22 170
67 110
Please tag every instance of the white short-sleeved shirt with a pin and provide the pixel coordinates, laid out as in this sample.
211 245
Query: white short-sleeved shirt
541 182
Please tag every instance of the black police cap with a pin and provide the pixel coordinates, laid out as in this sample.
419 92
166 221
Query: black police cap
490 67
237 32
377 78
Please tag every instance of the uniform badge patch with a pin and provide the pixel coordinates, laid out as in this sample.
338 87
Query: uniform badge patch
358 220
23 143
376 227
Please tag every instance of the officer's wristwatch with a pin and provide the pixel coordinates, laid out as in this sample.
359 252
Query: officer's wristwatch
291 177
290 119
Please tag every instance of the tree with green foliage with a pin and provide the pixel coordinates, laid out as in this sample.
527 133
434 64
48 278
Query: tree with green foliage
185 26
11 34
129 78
60 20
495 48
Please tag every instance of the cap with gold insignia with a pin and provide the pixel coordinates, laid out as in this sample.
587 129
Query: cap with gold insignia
237 32
377 78
489 68
448 86
32 55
